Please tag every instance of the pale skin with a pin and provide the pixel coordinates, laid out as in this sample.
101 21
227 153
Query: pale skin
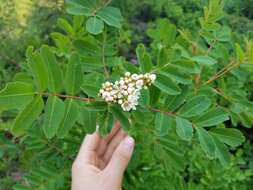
101 162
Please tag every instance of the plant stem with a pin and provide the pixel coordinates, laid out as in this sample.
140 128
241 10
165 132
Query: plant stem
221 93
222 72
105 4
68 97
158 68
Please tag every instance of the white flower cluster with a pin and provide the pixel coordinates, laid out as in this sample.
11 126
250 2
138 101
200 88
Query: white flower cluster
126 91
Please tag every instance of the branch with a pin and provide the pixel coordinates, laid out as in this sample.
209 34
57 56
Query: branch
222 72
89 100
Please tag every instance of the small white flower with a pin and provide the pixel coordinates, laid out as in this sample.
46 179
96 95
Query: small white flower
126 106
134 77
131 84
126 91
130 90
139 84
127 74
152 77
107 84
121 82
113 92
131 98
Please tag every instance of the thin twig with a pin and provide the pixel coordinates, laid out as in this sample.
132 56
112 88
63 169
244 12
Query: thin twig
222 72
68 97
221 93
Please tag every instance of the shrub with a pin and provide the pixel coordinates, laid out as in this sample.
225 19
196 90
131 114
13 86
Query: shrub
183 125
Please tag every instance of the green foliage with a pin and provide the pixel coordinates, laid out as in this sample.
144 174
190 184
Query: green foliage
98 12
184 125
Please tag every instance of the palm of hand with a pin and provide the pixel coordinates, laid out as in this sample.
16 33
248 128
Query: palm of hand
100 163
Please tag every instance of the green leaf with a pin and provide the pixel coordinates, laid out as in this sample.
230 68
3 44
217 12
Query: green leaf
206 141
54 113
142 116
80 7
16 95
27 116
106 124
92 84
90 89
163 123
163 57
78 22
96 106
111 16
184 129
195 106
88 48
131 67
117 112
204 60
176 74
212 117
62 42
232 137
186 65
39 71
69 119
222 152
239 53
64 24
144 98
74 75
24 77
54 70
166 85
144 59
172 103
89 120
164 33
94 25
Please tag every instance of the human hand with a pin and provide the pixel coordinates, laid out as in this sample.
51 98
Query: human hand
100 163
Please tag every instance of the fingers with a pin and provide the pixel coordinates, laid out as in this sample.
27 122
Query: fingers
104 142
87 151
120 159
115 141
113 132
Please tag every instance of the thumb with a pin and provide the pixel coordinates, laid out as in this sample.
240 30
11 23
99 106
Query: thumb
120 158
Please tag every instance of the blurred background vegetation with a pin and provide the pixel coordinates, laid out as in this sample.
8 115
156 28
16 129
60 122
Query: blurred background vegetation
30 22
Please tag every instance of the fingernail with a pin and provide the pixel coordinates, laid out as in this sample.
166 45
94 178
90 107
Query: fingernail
97 128
128 142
